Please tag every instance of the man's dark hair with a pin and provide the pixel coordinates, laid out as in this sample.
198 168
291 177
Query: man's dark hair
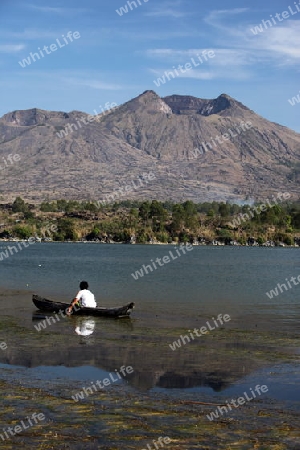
84 285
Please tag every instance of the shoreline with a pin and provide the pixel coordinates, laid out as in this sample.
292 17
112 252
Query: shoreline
151 243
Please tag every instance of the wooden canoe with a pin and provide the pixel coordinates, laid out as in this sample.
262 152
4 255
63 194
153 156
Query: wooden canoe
48 305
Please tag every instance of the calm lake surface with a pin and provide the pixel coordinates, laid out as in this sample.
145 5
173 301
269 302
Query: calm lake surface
206 277
258 345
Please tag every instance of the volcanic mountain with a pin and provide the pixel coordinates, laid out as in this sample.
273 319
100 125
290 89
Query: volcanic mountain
197 149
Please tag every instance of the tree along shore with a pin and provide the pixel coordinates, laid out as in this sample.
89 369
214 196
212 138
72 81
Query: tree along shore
142 222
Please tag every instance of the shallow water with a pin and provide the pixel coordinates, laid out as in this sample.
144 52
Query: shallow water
184 294
170 392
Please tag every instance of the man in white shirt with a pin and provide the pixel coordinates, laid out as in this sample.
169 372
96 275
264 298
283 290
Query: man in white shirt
84 298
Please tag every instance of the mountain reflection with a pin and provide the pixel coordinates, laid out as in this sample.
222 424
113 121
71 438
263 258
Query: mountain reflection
107 345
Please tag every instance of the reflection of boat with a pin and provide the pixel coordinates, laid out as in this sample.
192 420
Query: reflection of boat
85 326
48 305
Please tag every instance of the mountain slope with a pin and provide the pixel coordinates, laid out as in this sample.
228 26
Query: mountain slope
240 154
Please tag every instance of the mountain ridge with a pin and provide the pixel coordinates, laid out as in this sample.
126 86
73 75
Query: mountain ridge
97 154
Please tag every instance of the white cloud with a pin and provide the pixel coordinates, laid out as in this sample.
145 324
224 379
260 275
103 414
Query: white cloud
199 75
217 14
31 34
91 83
167 9
147 35
232 57
223 56
63 80
166 12
91 79
211 68
276 46
216 19
11 48
279 41
55 10
46 9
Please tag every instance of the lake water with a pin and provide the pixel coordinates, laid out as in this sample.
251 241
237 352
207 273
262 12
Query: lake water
208 278
259 343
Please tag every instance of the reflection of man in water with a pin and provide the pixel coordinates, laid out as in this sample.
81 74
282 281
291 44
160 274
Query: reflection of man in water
83 298
86 327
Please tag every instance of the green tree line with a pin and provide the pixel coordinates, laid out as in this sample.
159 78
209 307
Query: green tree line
150 221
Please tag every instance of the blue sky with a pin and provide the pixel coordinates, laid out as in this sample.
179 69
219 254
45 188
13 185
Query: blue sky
117 57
